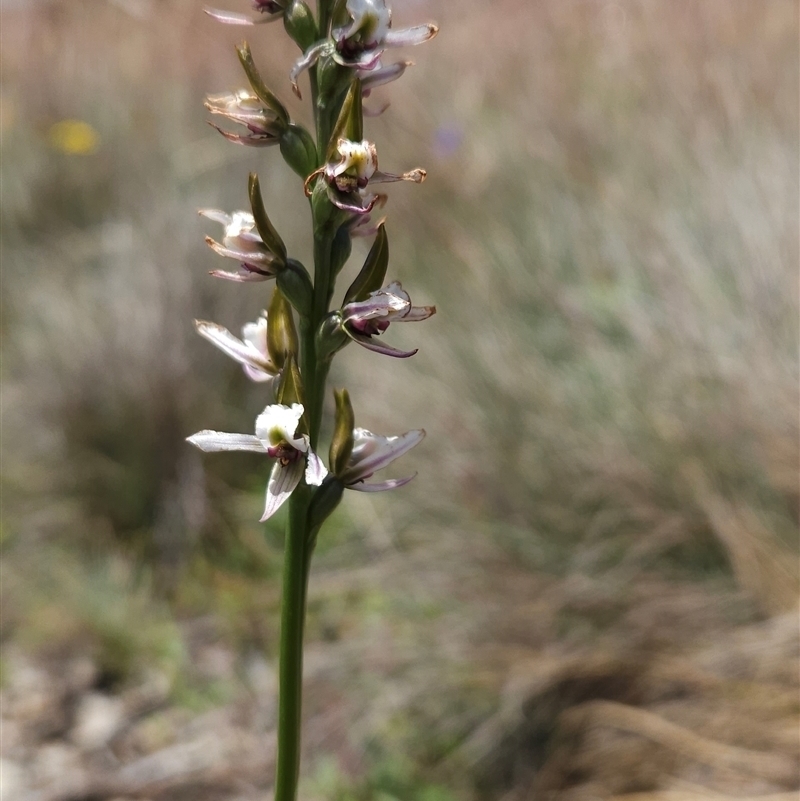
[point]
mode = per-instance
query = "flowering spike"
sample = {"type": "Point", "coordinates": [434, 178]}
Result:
{"type": "Point", "coordinates": [345, 46]}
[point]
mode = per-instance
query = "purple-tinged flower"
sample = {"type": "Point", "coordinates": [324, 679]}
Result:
{"type": "Point", "coordinates": [380, 75]}
{"type": "Point", "coordinates": [244, 108]}
{"type": "Point", "coordinates": [266, 11]}
{"type": "Point", "coordinates": [361, 43]}
{"type": "Point", "coordinates": [362, 224]}
{"type": "Point", "coordinates": [365, 320]}
{"type": "Point", "coordinates": [371, 453]}
{"type": "Point", "coordinates": [276, 435]}
{"type": "Point", "coordinates": [250, 351]}
{"type": "Point", "coordinates": [241, 242]}
{"type": "Point", "coordinates": [349, 176]}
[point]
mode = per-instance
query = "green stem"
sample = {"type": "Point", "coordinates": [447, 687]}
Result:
{"type": "Point", "coordinates": [293, 611]}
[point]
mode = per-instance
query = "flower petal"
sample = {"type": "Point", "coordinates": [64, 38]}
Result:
{"type": "Point", "coordinates": [380, 304]}
{"type": "Point", "coordinates": [315, 469]}
{"type": "Point", "coordinates": [233, 18]}
{"type": "Point", "coordinates": [252, 139]}
{"type": "Point", "coordinates": [416, 313]}
{"type": "Point", "coordinates": [372, 343]}
{"type": "Point", "coordinates": [372, 452]}
{"type": "Point", "coordinates": [309, 58]}
{"type": "Point", "coordinates": [243, 352]}
{"type": "Point", "coordinates": [410, 36]}
{"type": "Point", "coordinates": [282, 481]}
{"type": "Point", "coordinates": [352, 201]}
{"type": "Point", "coordinates": [278, 423]}
{"type": "Point", "coordinates": [245, 276]}
{"type": "Point", "coordinates": [216, 441]}
{"type": "Point", "coordinates": [383, 75]}
{"type": "Point", "coordinates": [381, 486]}
{"type": "Point", "coordinates": [417, 176]}
{"type": "Point", "coordinates": [216, 215]}
{"type": "Point", "coordinates": [367, 60]}
{"type": "Point", "coordinates": [260, 258]}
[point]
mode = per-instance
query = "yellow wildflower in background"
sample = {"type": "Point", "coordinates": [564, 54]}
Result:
{"type": "Point", "coordinates": [74, 137]}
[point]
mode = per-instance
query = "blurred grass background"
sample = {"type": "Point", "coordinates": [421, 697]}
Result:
{"type": "Point", "coordinates": [591, 589]}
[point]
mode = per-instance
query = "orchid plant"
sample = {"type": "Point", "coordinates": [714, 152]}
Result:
{"type": "Point", "coordinates": [289, 349]}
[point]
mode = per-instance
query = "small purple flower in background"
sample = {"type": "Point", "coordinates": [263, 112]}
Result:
{"type": "Point", "coordinates": [241, 242]}
{"type": "Point", "coordinates": [372, 452]}
{"type": "Point", "coordinates": [250, 351]}
{"type": "Point", "coordinates": [447, 139]}
{"type": "Point", "coordinates": [244, 108]}
{"type": "Point", "coordinates": [276, 436]}
{"type": "Point", "coordinates": [365, 320]}
{"type": "Point", "coordinates": [266, 11]}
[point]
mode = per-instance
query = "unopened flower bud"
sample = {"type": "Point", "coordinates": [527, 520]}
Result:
{"type": "Point", "coordinates": [300, 25]}
{"type": "Point", "coordinates": [298, 149]}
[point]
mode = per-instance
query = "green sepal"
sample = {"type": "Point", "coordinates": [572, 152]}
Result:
{"type": "Point", "coordinates": [330, 336]}
{"type": "Point", "coordinates": [323, 211]}
{"type": "Point", "coordinates": [333, 80]}
{"type": "Point", "coordinates": [290, 386]}
{"type": "Point", "coordinates": [323, 503]}
{"type": "Point", "coordinates": [342, 441]}
{"type": "Point", "coordinates": [350, 123]}
{"type": "Point", "coordinates": [373, 272]}
{"type": "Point", "coordinates": [266, 230]}
{"type": "Point", "coordinates": [282, 341]}
{"type": "Point", "coordinates": [340, 249]}
{"type": "Point", "coordinates": [300, 25]}
{"type": "Point", "coordinates": [295, 284]}
{"type": "Point", "coordinates": [340, 15]}
{"type": "Point", "coordinates": [298, 150]}
{"type": "Point", "coordinates": [257, 82]}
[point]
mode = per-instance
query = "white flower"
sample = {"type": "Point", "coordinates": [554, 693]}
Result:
{"type": "Point", "coordinates": [361, 43]}
{"type": "Point", "coordinates": [276, 435]}
{"type": "Point", "coordinates": [364, 320]}
{"type": "Point", "coordinates": [241, 242]}
{"type": "Point", "coordinates": [348, 176]}
{"type": "Point", "coordinates": [371, 453]}
{"type": "Point", "coordinates": [244, 108]}
{"type": "Point", "coordinates": [250, 351]}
